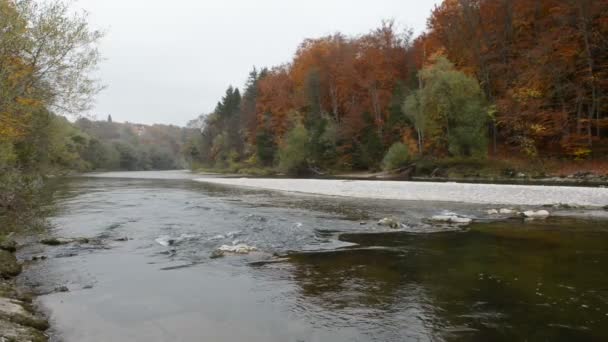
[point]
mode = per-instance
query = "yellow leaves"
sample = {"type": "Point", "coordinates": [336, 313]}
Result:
{"type": "Point", "coordinates": [10, 128]}
{"type": "Point", "coordinates": [581, 153]}
{"type": "Point", "coordinates": [29, 102]}
{"type": "Point", "coordinates": [525, 94]}
{"type": "Point", "coordinates": [537, 129]}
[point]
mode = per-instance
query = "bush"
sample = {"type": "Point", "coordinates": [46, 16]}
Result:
{"type": "Point", "coordinates": [294, 153]}
{"type": "Point", "coordinates": [396, 157]}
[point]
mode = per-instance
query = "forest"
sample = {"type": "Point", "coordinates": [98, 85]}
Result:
{"type": "Point", "coordinates": [494, 80]}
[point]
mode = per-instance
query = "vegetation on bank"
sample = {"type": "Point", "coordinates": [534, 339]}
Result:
{"type": "Point", "coordinates": [515, 80]}
{"type": "Point", "coordinates": [47, 55]}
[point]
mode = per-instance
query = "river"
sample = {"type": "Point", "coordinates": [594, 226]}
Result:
{"type": "Point", "coordinates": [324, 270]}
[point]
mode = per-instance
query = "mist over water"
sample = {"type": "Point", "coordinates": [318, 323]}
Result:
{"type": "Point", "coordinates": [324, 270]}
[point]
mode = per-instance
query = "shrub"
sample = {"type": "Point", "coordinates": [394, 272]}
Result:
{"type": "Point", "coordinates": [294, 152]}
{"type": "Point", "coordinates": [396, 157]}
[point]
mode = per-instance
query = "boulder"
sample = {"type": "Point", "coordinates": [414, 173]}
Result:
{"type": "Point", "coordinates": [492, 212]}
{"type": "Point", "coordinates": [506, 211]}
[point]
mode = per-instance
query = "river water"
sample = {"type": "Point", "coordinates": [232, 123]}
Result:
{"type": "Point", "coordinates": [324, 270]}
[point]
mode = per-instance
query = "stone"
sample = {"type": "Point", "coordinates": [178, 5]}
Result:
{"type": "Point", "coordinates": [389, 222]}
{"type": "Point", "coordinates": [9, 267]}
{"type": "Point", "coordinates": [13, 310]}
{"type": "Point", "coordinates": [62, 289]}
{"type": "Point", "coordinates": [8, 245]}
{"type": "Point", "coordinates": [451, 219]}
{"type": "Point", "coordinates": [536, 214]}
{"type": "Point", "coordinates": [237, 249]}
{"type": "Point", "coordinates": [492, 212]}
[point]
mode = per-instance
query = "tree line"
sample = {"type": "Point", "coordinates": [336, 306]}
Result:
{"type": "Point", "coordinates": [47, 55]}
{"type": "Point", "coordinates": [488, 78]}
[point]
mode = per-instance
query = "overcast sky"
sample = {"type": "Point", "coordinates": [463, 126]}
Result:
{"type": "Point", "coordinates": [169, 61]}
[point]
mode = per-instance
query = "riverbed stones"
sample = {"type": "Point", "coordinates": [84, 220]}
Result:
{"type": "Point", "coordinates": [10, 331]}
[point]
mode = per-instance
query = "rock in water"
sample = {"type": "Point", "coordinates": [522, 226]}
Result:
{"type": "Point", "coordinates": [451, 219]}
{"type": "Point", "coordinates": [237, 249]}
{"type": "Point", "coordinates": [505, 211]}
{"type": "Point", "coordinates": [536, 214]}
{"type": "Point", "coordinates": [389, 222]}
{"type": "Point", "coordinates": [492, 212]}
{"type": "Point", "coordinates": [165, 241]}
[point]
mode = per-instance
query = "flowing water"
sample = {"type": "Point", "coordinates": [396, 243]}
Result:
{"type": "Point", "coordinates": [324, 270]}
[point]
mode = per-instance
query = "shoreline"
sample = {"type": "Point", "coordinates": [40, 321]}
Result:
{"type": "Point", "coordinates": [502, 194]}
{"type": "Point", "coordinates": [20, 319]}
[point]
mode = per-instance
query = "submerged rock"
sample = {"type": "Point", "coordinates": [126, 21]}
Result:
{"type": "Point", "coordinates": [536, 214]}
{"type": "Point", "coordinates": [165, 241]}
{"type": "Point", "coordinates": [62, 289]}
{"type": "Point", "coordinates": [55, 241]}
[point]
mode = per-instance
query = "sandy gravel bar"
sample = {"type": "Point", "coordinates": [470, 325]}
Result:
{"type": "Point", "coordinates": [430, 191]}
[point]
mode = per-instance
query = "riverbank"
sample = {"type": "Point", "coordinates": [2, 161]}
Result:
{"type": "Point", "coordinates": [528, 195]}
{"type": "Point", "coordinates": [483, 171]}
{"type": "Point", "coordinates": [19, 321]}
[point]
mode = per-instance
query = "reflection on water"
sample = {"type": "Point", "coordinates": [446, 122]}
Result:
{"type": "Point", "coordinates": [501, 281]}
{"type": "Point", "coordinates": [342, 278]}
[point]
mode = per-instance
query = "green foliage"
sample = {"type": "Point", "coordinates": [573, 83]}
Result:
{"type": "Point", "coordinates": [450, 110]}
{"type": "Point", "coordinates": [266, 148]}
{"type": "Point", "coordinates": [369, 151]}
{"type": "Point", "coordinates": [294, 153]}
{"type": "Point", "coordinates": [396, 157]}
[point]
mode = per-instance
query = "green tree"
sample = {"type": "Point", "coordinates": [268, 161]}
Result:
{"type": "Point", "coordinates": [450, 109]}
{"type": "Point", "coordinates": [396, 157]}
{"type": "Point", "coordinates": [295, 150]}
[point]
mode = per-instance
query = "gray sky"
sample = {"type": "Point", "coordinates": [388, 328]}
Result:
{"type": "Point", "coordinates": [169, 61]}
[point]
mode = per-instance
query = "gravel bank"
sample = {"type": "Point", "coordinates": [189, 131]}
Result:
{"type": "Point", "coordinates": [429, 191]}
